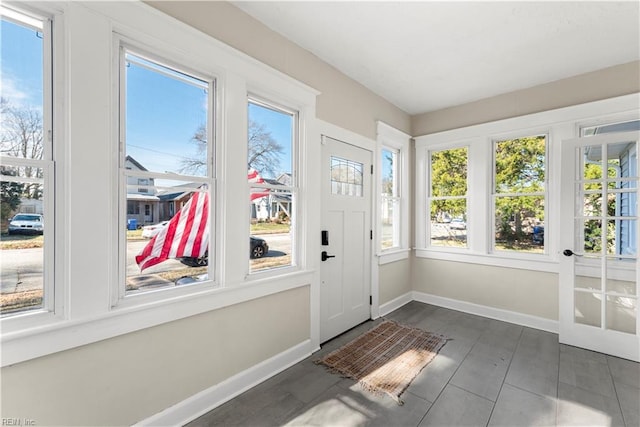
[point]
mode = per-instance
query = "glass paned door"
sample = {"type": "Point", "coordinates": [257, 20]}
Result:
{"type": "Point", "coordinates": [599, 262]}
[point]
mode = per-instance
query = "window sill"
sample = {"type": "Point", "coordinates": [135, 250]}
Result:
{"type": "Point", "coordinates": [393, 255]}
{"type": "Point", "coordinates": [60, 335]}
{"type": "Point", "coordinates": [544, 263]}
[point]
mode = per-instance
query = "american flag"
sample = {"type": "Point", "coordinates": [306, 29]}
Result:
{"type": "Point", "coordinates": [255, 178]}
{"type": "Point", "coordinates": [187, 233]}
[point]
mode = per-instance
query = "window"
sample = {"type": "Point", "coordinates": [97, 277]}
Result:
{"type": "Point", "coordinates": [390, 207]}
{"type": "Point", "coordinates": [166, 159]}
{"type": "Point", "coordinates": [519, 194]}
{"type": "Point", "coordinates": [393, 181]}
{"type": "Point", "coordinates": [26, 172]}
{"type": "Point", "coordinates": [271, 166]}
{"type": "Point", "coordinates": [447, 201]}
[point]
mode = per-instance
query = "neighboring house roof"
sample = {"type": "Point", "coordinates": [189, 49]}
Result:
{"type": "Point", "coordinates": [176, 195]}
{"type": "Point", "coordinates": [135, 163]}
{"type": "Point", "coordinates": [137, 196]}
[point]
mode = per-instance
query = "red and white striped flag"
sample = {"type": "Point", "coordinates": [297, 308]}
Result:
{"type": "Point", "coordinates": [186, 234]}
{"type": "Point", "coordinates": [255, 178]}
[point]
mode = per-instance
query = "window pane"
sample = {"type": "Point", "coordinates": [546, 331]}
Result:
{"type": "Point", "coordinates": [22, 256]}
{"type": "Point", "coordinates": [22, 66]}
{"type": "Point", "coordinates": [390, 235]}
{"type": "Point", "coordinates": [519, 223]}
{"type": "Point", "coordinates": [449, 172]}
{"type": "Point", "coordinates": [270, 243]}
{"type": "Point", "coordinates": [346, 177]}
{"type": "Point", "coordinates": [520, 165]}
{"type": "Point", "coordinates": [170, 250]}
{"type": "Point", "coordinates": [166, 119]}
{"type": "Point", "coordinates": [270, 148]}
{"type": "Point", "coordinates": [22, 186]}
{"type": "Point", "coordinates": [389, 173]}
{"type": "Point", "coordinates": [167, 219]}
{"type": "Point", "coordinates": [448, 222]}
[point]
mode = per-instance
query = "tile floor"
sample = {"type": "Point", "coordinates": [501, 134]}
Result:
{"type": "Point", "coordinates": [491, 373]}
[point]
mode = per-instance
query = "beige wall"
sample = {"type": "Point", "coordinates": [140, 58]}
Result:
{"type": "Point", "coordinates": [606, 83]}
{"type": "Point", "coordinates": [342, 102]}
{"type": "Point", "coordinates": [125, 379]}
{"type": "Point", "coordinates": [529, 292]}
{"type": "Point", "coordinates": [395, 280]}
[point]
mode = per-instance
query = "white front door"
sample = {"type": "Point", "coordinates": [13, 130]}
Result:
{"type": "Point", "coordinates": [345, 271]}
{"type": "Point", "coordinates": [599, 244]}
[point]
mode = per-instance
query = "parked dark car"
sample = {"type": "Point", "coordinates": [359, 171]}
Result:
{"type": "Point", "coordinates": [257, 249]}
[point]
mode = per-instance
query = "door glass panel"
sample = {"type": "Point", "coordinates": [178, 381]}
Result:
{"type": "Point", "coordinates": [627, 287]}
{"type": "Point", "coordinates": [591, 204]}
{"type": "Point", "coordinates": [588, 308]}
{"type": "Point", "coordinates": [592, 236]}
{"type": "Point", "coordinates": [621, 314]}
{"type": "Point", "coordinates": [588, 282]}
{"type": "Point", "coordinates": [346, 177]}
{"type": "Point", "coordinates": [591, 156]}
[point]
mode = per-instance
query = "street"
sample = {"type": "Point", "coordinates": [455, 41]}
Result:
{"type": "Point", "coordinates": [21, 269]}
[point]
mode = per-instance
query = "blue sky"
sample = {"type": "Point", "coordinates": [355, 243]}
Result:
{"type": "Point", "coordinates": [163, 111]}
{"type": "Point", "coordinates": [21, 65]}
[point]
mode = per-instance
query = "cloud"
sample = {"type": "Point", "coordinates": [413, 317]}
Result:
{"type": "Point", "coordinates": [9, 89]}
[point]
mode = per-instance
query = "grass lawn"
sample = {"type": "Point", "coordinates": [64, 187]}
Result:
{"type": "Point", "coordinates": [20, 241]}
{"type": "Point", "coordinates": [269, 228]}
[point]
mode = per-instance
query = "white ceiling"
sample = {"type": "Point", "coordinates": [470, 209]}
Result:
{"type": "Point", "coordinates": [424, 56]}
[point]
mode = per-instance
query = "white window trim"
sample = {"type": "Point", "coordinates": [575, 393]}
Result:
{"type": "Point", "coordinates": [120, 298]}
{"type": "Point", "coordinates": [54, 273]}
{"type": "Point", "coordinates": [293, 189]}
{"type": "Point", "coordinates": [559, 124]}
{"type": "Point", "coordinates": [85, 314]}
{"type": "Point", "coordinates": [395, 140]}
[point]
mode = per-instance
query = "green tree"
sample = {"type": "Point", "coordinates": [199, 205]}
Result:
{"type": "Point", "coordinates": [519, 173]}
{"type": "Point", "coordinates": [10, 194]}
{"type": "Point", "coordinates": [449, 179]}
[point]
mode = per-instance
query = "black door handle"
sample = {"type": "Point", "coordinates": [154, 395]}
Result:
{"type": "Point", "coordinates": [325, 256]}
{"type": "Point", "coordinates": [569, 252]}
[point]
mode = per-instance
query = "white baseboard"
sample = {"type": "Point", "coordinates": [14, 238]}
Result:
{"type": "Point", "coordinates": [206, 400]}
{"type": "Point", "coordinates": [395, 303]}
{"type": "Point", "coordinates": [490, 312]}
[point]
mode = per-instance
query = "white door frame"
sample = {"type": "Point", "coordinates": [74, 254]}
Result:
{"type": "Point", "coordinates": [598, 339]}
{"type": "Point", "coordinates": [336, 132]}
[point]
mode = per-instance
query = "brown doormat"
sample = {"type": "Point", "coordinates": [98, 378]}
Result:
{"type": "Point", "coordinates": [387, 358]}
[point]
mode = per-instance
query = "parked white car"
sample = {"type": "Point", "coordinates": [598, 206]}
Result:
{"type": "Point", "coordinates": [148, 231]}
{"type": "Point", "coordinates": [26, 224]}
{"type": "Point", "coordinates": [457, 224]}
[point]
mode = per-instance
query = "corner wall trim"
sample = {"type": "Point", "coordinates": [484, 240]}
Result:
{"type": "Point", "coordinates": [490, 312]}
{"type": "Point", "coordinates": [396, 303]}
{"type": "Point", "coordinates": [206, 400]}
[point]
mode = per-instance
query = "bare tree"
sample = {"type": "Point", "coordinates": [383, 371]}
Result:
{"type": "Point", "coordinates": [22, 136]}
{"type": "Point", "coordinates": [263, 155]}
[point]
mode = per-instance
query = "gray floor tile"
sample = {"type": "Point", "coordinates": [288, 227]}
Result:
{"type": "Point", "coordinates": [629, 398]}
{"type": "Point", "coordinates": [534, 374]}
{"type": "Point", "coordinates": [457, 407]}
{"type": "Point", "coordinates": [585, 369]}
{"type": "Point", "coordinates": [434, 377]}
{"type": "Point", "coordinates": [491, 371]}
{"type": "Point", "coordinates": [540, 344]}
{"type": "Point", "coordinates": [336, 406]}
{"type": "Point", "coordinates": [624, 371]}
{"type": "Point", "coordinates": [578, 407]}
{"type": "Point", "coordinates": [516, 407]}
{"type": "Point", "coordinates": [501, 334]}
{"type": "Point", "coordinates": [483, 370]}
